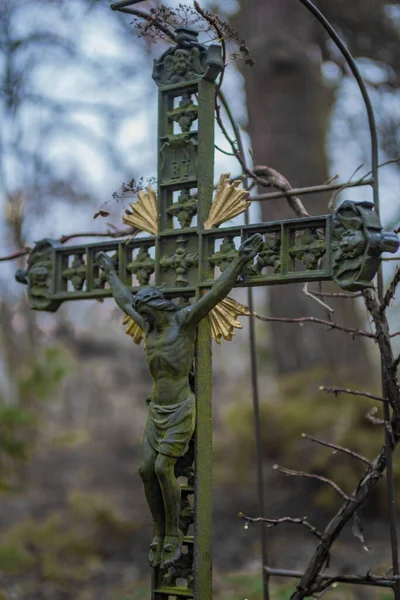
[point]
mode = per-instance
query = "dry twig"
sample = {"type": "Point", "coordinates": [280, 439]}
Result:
{"type": "Point", "coordinates": [313, 296]}
{"type": "Point", "coordinates": [391, 290]}
{"type": "Point", "coordinates": [392, 388]}
{"type": "Point", "coordinates": [328, 324]}
{"type": "Point", "coordinates": [16, 254]}
{"type": "Point", "coordinates": [275, 522]}
{"type": "Point", "coordinates": [337, 295]}
{"type": "Point", "coordinates": [65, 238]}
{"type": "Point", "coordinates": [337, 391]}
{"type": "Point", "coordinates": [269, 177]}
{"type": "Point", "coordinates": [337, 489]}
{"type": "Point", "coordinates": [337, 448]}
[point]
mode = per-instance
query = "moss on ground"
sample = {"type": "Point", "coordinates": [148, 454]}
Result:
{"type": "Point", "coordinates": [298, 408]}
{"type": "Point", "coordinates": [66, 551]}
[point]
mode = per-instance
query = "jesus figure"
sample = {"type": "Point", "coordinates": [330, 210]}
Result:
{"type": "Point", "coordinates": [170, 335]}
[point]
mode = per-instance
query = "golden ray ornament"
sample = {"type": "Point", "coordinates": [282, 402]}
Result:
{"type": "Point", "coordinates": [229, 202]}
{"type": "Point", "coordinates": [223, 320]}
{"type": "Point", "coordinates": [144, 211]}
{"type": "Point", "coordinates": [133, 329]}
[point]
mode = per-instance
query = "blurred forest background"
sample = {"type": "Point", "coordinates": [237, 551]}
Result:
{"type": "Point", "coordinates": [78, 117]}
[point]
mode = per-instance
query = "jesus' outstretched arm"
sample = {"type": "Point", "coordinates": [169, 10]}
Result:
{"type": "Point", "coordinates": [224, 283]}
{"type": "Point", "coordinates": [122, 294]}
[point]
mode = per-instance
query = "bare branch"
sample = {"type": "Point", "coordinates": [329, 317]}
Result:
{"type": "Point", "coordinates": [370, 416]}
{"type": "Point", "coordinates": [234, 144]}
{"type": "Point", "coordinates": [391, 290]}
{"type": "Point", "coordinates": [337, 294]}
{"type": "Point", "coordinates": [337, 448]}
{"type": "Point", "coordinates": [336, 525]}
{"type": "Point", "coordinates": [275, 522]}
{"type": "Point", "coordinates": [337, 391]}
{"type": "Point", "coordinates": [220, 36]}
{"type": "Point", "coordinates": [16, 254]}
{"type": "Point", "coordinates": [66, 238]}
{"type": "Point", "coordinates": [337, 489]}
{"type": "Point", "coordinates": [328, 324]}
{"type": "Point", "coordinates": [151, 20]}
{"type": "Point", "coordinates": [312, 295]}
{"type": "Point", "coordinates": [223, 151]}
{"type": "Point", "coordinates": [112, 234]}
{"type": "Point", "coordinates": [368, 579]}
{"type": "Point", "coordinates": [313, 189]}
{"type": "Point", "coordinates": [269, 177]}
{"type": "Point", "coordinates": [392, 387]}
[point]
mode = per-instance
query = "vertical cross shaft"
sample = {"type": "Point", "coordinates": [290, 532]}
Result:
{"type": "Point", "coordinates": [185, 76]}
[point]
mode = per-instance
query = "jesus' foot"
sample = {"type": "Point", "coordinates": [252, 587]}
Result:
{"type": "Point", "coordinates": [171, 550]}
{"type": "Point", "coordinates": [155, 551]}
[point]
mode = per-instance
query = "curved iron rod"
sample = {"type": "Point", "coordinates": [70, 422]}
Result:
{"type": "Point", "coordinates": [363, 89]}
{"type": "Point", "coordinates": [123, 4]}
{"type": "Point", "coordinates": [374, 167]}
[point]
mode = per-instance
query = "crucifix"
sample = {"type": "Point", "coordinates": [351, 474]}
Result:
{"type": "Point", "coordinates": [173, 287]}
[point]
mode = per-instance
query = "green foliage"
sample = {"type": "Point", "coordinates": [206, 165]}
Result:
{"type": "Point", "coordinates": [37, 379]}
{"type": "Point", "coordinates": [68, 547]}
{"type": "Point", "coordinates": [106, 527]}
{"type": "Point", "coordinates": [40, 377]}
{"type": "Point", "coordinates": [14, 421]}
{"type": "Point", "coordinates": [53, 550]}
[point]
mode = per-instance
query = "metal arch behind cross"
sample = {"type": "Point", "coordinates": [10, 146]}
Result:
{"type": "Point", "coordinates": [124, 4]}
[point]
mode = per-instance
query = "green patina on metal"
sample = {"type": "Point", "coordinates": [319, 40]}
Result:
{"type": "Point", "coordinates": [345, 247]}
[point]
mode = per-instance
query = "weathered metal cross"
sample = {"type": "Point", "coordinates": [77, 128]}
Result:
{"type": "Point", "coordinates": [345, 247]}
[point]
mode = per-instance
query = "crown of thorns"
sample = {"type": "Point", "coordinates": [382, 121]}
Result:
{"type": "Point", "coordinates": [146, 295]}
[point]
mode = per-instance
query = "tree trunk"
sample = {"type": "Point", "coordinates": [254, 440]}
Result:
{"type": "Point", "coordinates": [288, 109]}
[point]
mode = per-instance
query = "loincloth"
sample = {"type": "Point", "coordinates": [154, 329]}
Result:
{"type": "Point", "coordinates": [169, 429]}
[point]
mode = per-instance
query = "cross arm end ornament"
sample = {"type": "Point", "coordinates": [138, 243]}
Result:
{"type": "Point", "coordinates": [357, 245]}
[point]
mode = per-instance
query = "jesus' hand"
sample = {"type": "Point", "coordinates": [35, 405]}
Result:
{"type": "Point", "coordinates": [104, 262]}
{"type": "Point", "coordinates": [251, 247]}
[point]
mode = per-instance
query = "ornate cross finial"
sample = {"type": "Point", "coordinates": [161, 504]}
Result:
{"type": "Point", "coordinates": [188, 60]}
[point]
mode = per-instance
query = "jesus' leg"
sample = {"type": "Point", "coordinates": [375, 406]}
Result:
{"type": "Point", "coordinates": [154, 500]}
{"type": "Point", "coordinates": [171, 492]}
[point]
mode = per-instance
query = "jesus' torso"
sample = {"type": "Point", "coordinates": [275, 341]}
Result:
{"type": "Point", "coordinates": [170, 353]}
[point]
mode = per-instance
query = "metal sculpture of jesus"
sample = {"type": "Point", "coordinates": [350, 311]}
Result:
{"type": "Point", "coordinates": [170, 335]}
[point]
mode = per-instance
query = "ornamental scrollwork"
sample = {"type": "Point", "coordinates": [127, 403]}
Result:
{"type": "Point", "coordinates": [358, 242]}
{"type": "Point", "coordinates": [38, 276]}
{"type": "Point", "coordinates": [188, 60]}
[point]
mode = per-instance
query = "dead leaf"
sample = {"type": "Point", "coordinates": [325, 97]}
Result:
{"type": "Point", "coordinates": [101, 213]}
